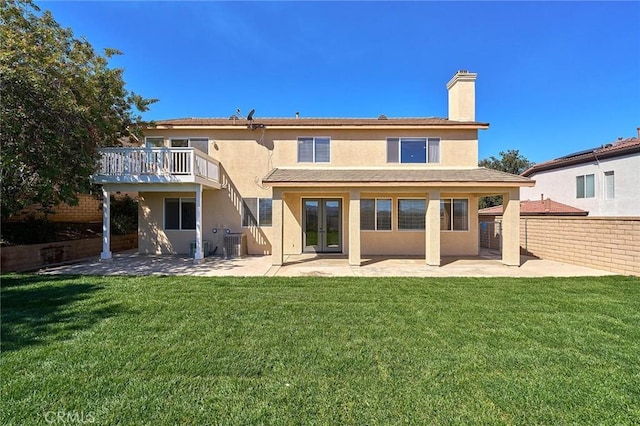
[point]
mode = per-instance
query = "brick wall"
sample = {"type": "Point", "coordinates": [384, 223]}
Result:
{"type": "Point", "coordinates": [88, 210]}
{"type": "Point", "coordinates": [607, 243]}
{"type": "Point", "coordinates": [34, 256]}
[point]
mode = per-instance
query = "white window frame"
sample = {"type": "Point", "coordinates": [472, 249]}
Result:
{"type": "Point", "coordinates": [375, 214]}
{"type": "Point", "coordinates": [147, 138]}
{"type": "Point", "coordinates": [426, 142]}
{"type": "Point", "coordinates": [189, 143]}
{"type": "Point", "coordinates": [257, 218]}
{"type": "Point", "coordinates": [164, 213]}
{"type": "Point", "coordinates": [452, 199]}
{"type": "Point", "coordinates": [584, 187]}
{"type": "Point", "coordinates": [313, 150]}
{"type": "Point", "coordinates": [605, 189]}
{"type": "Point", "coordinates": [426, 205]}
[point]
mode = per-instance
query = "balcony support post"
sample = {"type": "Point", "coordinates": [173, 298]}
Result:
{"type": "Point", "coordinates": [199, 255]}
{"type": "Point", "coordinates": [106, 226]}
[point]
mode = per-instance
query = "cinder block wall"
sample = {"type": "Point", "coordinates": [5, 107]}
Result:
{"type": "Point", "coordinates": [607, 243]}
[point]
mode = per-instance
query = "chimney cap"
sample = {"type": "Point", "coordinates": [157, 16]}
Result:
{"type": "Point", "coordinates": [462, 75]}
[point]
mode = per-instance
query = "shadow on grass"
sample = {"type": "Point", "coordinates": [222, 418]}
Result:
{"type": "Point", "coordinates": [43, 309]}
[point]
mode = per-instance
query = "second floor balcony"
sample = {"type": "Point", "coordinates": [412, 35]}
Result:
{"type": "Point", "coordinates": [139, 165]}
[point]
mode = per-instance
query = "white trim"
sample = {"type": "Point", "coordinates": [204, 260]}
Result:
{"type": "Point", "coordinates": [258, 224]}
{"type": "Point", "coordinates": [146, 143]}
{"type": "Point", "coordinates": [398, 213]}
{"type": "Point", "coordinates": [375, 214]}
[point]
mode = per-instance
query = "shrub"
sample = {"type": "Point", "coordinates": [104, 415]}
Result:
{"type": "Point", "coordinates": [124, 215]}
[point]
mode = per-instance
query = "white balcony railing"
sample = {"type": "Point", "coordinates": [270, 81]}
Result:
{"type": "Point", "coordinates": [156, 165]}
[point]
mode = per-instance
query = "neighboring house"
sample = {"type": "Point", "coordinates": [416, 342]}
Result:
{"type": "Point", "coordinates": [546, 207]}
{"type": "Point", "coordinates": [603, 180]}
{"type": "Point", "coordinates": [357, 186]}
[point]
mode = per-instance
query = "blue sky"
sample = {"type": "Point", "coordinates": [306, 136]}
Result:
{"type": "Point", "coordinates": [553, 77]}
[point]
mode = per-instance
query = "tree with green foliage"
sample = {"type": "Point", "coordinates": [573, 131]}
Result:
{"type": "Point", "coordinates": [60, 102]}
{"type": "Point", "coordinates": [510, 161]}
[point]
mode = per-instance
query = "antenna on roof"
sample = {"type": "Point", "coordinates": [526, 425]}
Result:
{"type": "Point", "coordinates": [252, 126]}
{"type": "Point", "coordinates": [250, 116]}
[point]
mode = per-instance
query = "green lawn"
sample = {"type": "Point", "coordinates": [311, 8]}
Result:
{"type": "Point", "coordinates": [176, 350]}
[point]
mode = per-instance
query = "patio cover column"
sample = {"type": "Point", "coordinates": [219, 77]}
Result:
{"type": "Point", "coordinates": [106, 225]}
{"type": "Point", "coordinates": [198, 255]}
{"type": "Point", "coordinates": [511, 227]}
{"type": "Point", "coordinates": [354, 228]}
{"type": "Point", "coordinates": [432, 229]}
{"type": "Point", "coordinates": [277, 227]}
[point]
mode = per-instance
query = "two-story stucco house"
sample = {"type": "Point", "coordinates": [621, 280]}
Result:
{"type": "Point", "coordinates": [605, 180]}
{"type": "Point", "coordinates": [356, 186]}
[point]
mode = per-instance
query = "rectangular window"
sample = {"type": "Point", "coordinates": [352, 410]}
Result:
{"type": "Point", "coordinates": [201, 144]}
{"type": "Point", "coordinates": [256, 212]}
{"type": "Point", "coordinates": [585, 186]}
{"type": "Point", "coordinates": [413, 150]}
{"type": "Point", "coordinates": [411, 214]}
{"type": "Point", "coordinates": [154, 142]}
{"type": "Point", "coordinates": [454, 214]}
{"type": "Point", "coordinates": [314, 150]}
{"type": "Point", "coordinates": [375, 214]}
{"type": "Point", "coordinates": [609, 186]}
{"type": "Point", "coordinates": [179, 213]}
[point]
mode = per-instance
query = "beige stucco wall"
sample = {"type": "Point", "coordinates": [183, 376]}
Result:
{"type": "Point", "coordinates": [247, 156]}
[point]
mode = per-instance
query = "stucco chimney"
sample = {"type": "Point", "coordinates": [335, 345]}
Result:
{"type": "Point", "coordinates": [462, 96]}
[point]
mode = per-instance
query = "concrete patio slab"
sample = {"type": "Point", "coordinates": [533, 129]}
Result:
{"type": "Point", "coordinates": [321, 266]}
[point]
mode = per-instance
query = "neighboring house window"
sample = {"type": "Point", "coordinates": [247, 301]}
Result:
{"type": "Point", "coordinates": [154, 142]}
{"type": "Point", "coordinates": [413, 150]}
{"type": "Point", "coordinates": [375, 214]}
{"type": "Point", "coordinates": [454, 214]}
{"type": "Point", "coordinates": [201, 144]}
{"type": "Point", "coordinates": [585, 186]}
{"type": "Point", "coordinates": [411, 214]}
{"type": "Point", "coordinates": [179, 213]}
{"type": "Point", "coordinates": [314, 150]}
{"type": "Point", "coordinates": [256, 212]}
{"type": "Point", "coordinates": [609, 186]}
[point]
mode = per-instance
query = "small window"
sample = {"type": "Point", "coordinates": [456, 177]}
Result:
{"type": "Point", "coordinates": [179, 213]}
{"type": "Point", "coordinates": [454, 214]}
{"type": "Point", "coordinates": [256, 212]}
{"type": "Point", "coordinates": [154, 142]}
{"type": "Point", "coordinates": [585, 186]}
{"type": "Point", "coordinates": [411, 214]}
{"type": "Point", "coordinates": [609, 186]}
{"type": "Point", "coordinates": [201, 144]}
{"type": "Point", "coordinates": [314, 150]}
{"type": "Point", "coordinates": [375, 214]}
{"type": "Point", "coordinates": [413, 150]}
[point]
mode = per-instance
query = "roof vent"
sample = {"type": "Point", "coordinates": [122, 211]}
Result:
{"type": "Point", "coordinates": [382, 117]}
{"type": "Point", "coordinates": [233, 117]}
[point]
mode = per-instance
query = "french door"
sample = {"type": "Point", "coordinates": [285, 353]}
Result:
{"type": "Point", "coordinates": [322, 225]}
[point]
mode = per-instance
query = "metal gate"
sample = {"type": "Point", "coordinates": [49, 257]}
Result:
{"type": "Point", "coordinates": [491, 236]}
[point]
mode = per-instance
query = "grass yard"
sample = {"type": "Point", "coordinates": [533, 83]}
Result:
{"type": "Point", "coordinates": [187, 350]}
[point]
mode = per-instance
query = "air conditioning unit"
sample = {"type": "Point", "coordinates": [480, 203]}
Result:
{"type": "Point", "coordinates": [235, 245]}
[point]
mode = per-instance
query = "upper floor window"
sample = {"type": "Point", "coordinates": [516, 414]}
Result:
{"type": "Point", "coordinates": [585, 186]}
{"type": "Point", "coordinates": [257, 211]}
{"type": "Point", "coordinates": [154, 142]}
{"type": "Point", "coordinates": [179, 213]}
{"type": "Point", "coordinates": [375, 214]}
{"type": "Point", "coordinates": [454, 214]}
{"type": "Point", "coordinates": [609, 186]}
{"type": "Point", "coordinates": [201, 144]}
{"type": "Point", "coordinates": [314, 150]}
{"type": "Point", "coordinates": [413, 150]}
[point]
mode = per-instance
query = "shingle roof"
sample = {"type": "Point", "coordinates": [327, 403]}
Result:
{"type": "Point", "coordinates": [399, 176]}
{"type": "Point", "coordinates": [538, 207]}
{"type": "Point", "coordinates": [319, 122]}
{"type": "Point", "coordinates": [614, 149]}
